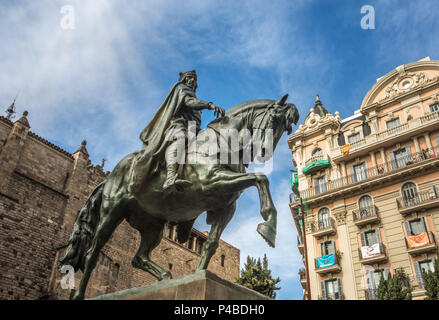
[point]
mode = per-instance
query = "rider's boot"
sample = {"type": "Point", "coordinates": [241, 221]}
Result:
{"type": "Point", "coordinates": [172, 183]}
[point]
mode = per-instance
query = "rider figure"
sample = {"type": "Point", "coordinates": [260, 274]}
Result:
{"type": "Point", "coordinates": [171, 122]}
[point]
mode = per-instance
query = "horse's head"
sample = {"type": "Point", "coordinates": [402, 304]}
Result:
{"type": "Point", "coordinates": [277, 118]}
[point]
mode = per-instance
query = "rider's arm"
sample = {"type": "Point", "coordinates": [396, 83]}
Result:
{"type": "Point", "coordinates": [197, 104]}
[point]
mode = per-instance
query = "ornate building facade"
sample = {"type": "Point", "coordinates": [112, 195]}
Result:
{"type": "Point", "coordinates": [369, 186]}
{"type": "Point", "coordinates": [42, 187]}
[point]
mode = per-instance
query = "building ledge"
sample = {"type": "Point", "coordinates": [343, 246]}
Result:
{"type": "Point", "coordinates": [376, 259]}
{"type": "Point", "coordinates": [332, 269]}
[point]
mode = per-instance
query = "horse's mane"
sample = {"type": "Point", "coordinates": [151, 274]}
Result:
{"type": "Point", "coordinates": [242, 107]}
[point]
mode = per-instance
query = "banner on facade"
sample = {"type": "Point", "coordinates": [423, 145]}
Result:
{"type": "Point", "coordinates": [326, 261]}
{"type": "Point", "coordinates": [418, 240]}
{"type": "Point", "coordinates": [370, 251]}
{"type": "Point", "coordinates": [345, 149]}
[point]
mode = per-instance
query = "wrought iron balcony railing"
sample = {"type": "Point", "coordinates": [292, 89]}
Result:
{"type": "Point", "coordinates": [322, 224]}
{"type": "Point", "coordinates": [418, 198]}
{"type": "Point", "coordinates": [371, 294]}
{"type": "Point", "coordinates": [332, 296]}
{"type": "Point", "coordinates": [372, 172]}
{"type": "Point", "coordinates": [365, 213]}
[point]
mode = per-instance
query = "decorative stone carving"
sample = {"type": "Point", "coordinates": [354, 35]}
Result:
{"type": "Point", "coordinates": [413, 80]}
{"type": "Point", "coordinates": [340, 217]}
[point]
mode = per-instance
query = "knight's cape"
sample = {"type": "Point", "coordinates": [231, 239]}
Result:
{"type": "Point", "coordinates": [154, 134]}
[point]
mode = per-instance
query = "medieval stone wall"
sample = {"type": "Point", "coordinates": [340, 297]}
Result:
{"type": "Point", "coordinates": [42, 187]}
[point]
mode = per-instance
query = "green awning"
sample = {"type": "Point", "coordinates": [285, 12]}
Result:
{"type": "Point", "coordinates": [295, 183]}
{"type": "Point", "coordinates": [316, 166]}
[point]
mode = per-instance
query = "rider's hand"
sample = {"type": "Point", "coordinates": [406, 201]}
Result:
{"type": "Point", "coordinates": [218, 112]}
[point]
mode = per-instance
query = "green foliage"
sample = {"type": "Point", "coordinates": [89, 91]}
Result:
{"type": "Point", "coordinates": [396, 287]}
{"type": "Point", "coordinates": [256, 276]}
{"type": "Point", "coordinates": [431, 281]}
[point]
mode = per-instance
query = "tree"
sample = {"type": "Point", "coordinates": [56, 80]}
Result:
{"type": "Point", "coordinates": [256, 276]}
{"type": "Point", "coordinates": [431, 281]}
{"type": "Point", "coordinates": [396, 287]}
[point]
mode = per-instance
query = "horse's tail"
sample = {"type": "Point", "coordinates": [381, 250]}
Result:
{"type": "Point", "coordinates": [83, 231]}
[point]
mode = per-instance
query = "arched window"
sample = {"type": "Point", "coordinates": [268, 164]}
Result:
{"type": "Point", "coordinates": [410, 194]}
{"type": "Point", "coordinates": [365, 202]}
{"type": "Point", "coordinates": [366, 206]}
{"type": "Point", "coordinates": [324, 217]}
{"type": "Point", "coordinates": [317, 152]}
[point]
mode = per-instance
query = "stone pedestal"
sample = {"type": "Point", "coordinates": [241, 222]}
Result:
{"type": "Point", "coordinates": [202, 285]}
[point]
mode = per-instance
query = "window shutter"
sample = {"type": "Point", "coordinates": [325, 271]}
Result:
{"type": "Point", "coordinates": [370, 280]}
{"type": "Point", "coordinates": [323, 284]}
{"type": "Point", "coordinates": [353, 176]}
{"type": "Point", "coordinates": [392, 161]}
{"type": "Point", "coordinates": [407, 228]}
{"type": "Point", "coordinates": [332, 247]}
{"type": "Point", "coordinates": [408, 153]}
{"type": "Point", "coordinates": [322, 249]}
{"type": "Point", "coordinates": [340, 291]}
{"type": "Point", "coordinates": [378, 235]}
{"type": "Point", "coordinates": [434, 263]}
{"type": "Point", "coordinates": [365, 170]}
{"type": "Point", "coordinates": [418, 274]}
{"type": "Point", "coordinates": [424, 225]}
{"type": "Point", "coordinates": [386, 273]}
{"type": "Point", "coordinates": [363, 239]}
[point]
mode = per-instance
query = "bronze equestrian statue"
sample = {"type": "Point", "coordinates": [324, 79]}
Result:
{"type": "Point", "coordinates": [161, 184]}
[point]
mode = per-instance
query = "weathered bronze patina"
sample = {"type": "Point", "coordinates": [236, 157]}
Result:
{"type": "Point", "coordinates": [149, 191]}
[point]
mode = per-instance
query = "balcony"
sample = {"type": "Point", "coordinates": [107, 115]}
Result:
{"type": "Point", "coordinates": [300, 245]}
{"type": "Point", "coordinates": [327, 264]}
{"type": "Point", "coordinates": [421, 201]}
{"type": "Point", "coordinates": [323, 227]}
{"type": "Point", "coordinates": [420, 243]}
{"type": "Point", "coordinates": [316, 163]}
{"type": "Point", "coordinates": [372, 254]}
{"type": "Point", "coordinates": [370, 294]}
{"type": "Point", "coordinates": [332, 296]}
{"type": "Point", "coordinates": [366, 215]}
{"type": "Point", "coordinates": [302, 274]}
{"type": "Point", "coordinates": [388, 137]}
{"type": "Point", "coordinates": [383, 173]}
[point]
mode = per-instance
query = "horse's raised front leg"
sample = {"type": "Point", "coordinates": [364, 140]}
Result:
{"type": "Point", "coordinates": [228, 182]}
{"type": "Point", "coordinates": [219, 220]}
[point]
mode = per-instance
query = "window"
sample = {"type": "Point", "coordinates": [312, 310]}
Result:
{"type": "Point", "coordinates": [370, 238]}
{"type": "Point", "coordinates": [170, 228]}
{"type": "Point", "coordinates": [434, 107]}
{"type": "Point", "coordinates": [358, 172]}
{"type": "Point", "coordinates": [320, 185]}
{"type": "Point", "coordinates": [373, 280]}
{"type": "Point", "coordinates": [331, 289]}
{"type": "Point", "coordinates": [400, 158]}
{"type": "Point", "coordinates": [410, 194]}
{"type": "Point", "coordinates": [426, 266]}
{"type": "Point", "coordinates": [416, 226]}
{"type": "Point", "coordinates": [324, 218]}
{"type": "Point", "coordinates": [199, 246]}
{"type": "Point", "coordinates": [317, 152]}
{"type": "Point", "coordinates": [327, 247]}
{"type": "Point", "coordinates": [365, 202]}
{"type": "Point", "coordinates": [170, 266]}
{"type": "Point", "coordinates": [354, 138]}
{"type": "Point", "coordinates": [223, 258]}
{"type": "Point", "coordinates": [392, 123]}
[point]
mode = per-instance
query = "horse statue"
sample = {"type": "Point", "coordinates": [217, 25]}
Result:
{"type": "Point", "coordinates": [215, 188]}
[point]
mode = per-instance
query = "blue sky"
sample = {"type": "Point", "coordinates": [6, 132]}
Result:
{"type": "Point", "coordinates": [103, 80]}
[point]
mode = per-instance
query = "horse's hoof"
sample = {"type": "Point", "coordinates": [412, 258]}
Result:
{"type": "Point", "coordinates": [268, 233]}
